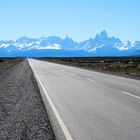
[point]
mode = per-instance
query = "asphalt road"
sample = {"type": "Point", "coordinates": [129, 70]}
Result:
{"type": "Point", "coordinates": [92, 105]}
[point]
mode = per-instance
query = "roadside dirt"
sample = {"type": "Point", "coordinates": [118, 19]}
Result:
{"type": "Point", "coordinates": [22, 112]}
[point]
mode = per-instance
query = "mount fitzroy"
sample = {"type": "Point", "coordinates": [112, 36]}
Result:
{"type": "Point", "coordinates": [53, 46]}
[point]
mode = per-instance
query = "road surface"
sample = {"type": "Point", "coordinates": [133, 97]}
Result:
{"type": "Point", "coordinates": [92, 105]}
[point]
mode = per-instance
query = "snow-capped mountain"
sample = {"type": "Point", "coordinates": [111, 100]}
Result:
{"type": "Point", "coordinates": [101, 45]}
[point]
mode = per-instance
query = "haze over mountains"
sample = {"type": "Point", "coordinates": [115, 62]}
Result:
{"type": "Point", "coordinates": [100, 45]}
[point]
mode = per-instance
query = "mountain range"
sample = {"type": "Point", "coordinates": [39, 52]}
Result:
{"type": "Point", "coordinates": [100, 45]}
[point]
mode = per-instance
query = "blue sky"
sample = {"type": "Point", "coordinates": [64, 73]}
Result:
{"type": "Point", "coordinates": [80, 19]}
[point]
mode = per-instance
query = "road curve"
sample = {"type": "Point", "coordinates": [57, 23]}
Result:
{"type": "Point", "coordinates": [92, 105]}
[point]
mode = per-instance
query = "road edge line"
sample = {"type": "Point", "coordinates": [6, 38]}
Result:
{"type": "Point", "coordinates": [59, 119]}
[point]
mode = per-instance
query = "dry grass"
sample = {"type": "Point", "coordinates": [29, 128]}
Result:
{"type": "Point", "coordinates": [127, 66]}
{"type": "Point", "coordinates": [6, 63]}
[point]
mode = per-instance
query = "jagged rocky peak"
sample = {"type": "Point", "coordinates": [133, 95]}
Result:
{"type": "Point", "coordinates": [67, 38]}
{"type": "Point", "coordinates": [103, 35]}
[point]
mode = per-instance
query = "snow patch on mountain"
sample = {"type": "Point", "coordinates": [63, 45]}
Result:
{"type": "Point", "coordinates": [4, 45]}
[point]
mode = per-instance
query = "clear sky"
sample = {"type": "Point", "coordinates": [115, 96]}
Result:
{"type": "Point", "coordinates": [79, 19]}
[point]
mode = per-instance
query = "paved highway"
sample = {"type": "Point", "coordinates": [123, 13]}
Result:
{"type": "Point", "coordinates": [92, 105]}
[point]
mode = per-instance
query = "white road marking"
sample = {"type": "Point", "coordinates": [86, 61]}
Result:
{"type": "Point", "coordinates": [92, 80]}
{"type": "Point", "coordinates": [62, 125]}
{"type": "Point", "coordinates": [135, 96]}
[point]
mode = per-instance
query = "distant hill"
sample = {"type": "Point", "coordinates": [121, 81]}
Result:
{"type": "Point", "coordinates": [100, 45]}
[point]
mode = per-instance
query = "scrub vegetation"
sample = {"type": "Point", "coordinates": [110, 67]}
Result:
{"type": "Point", "coordinates": [125, 66]}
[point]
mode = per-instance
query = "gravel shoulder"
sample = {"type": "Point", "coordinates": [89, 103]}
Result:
{"type": "Point", "coordinates": [22, 112]}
